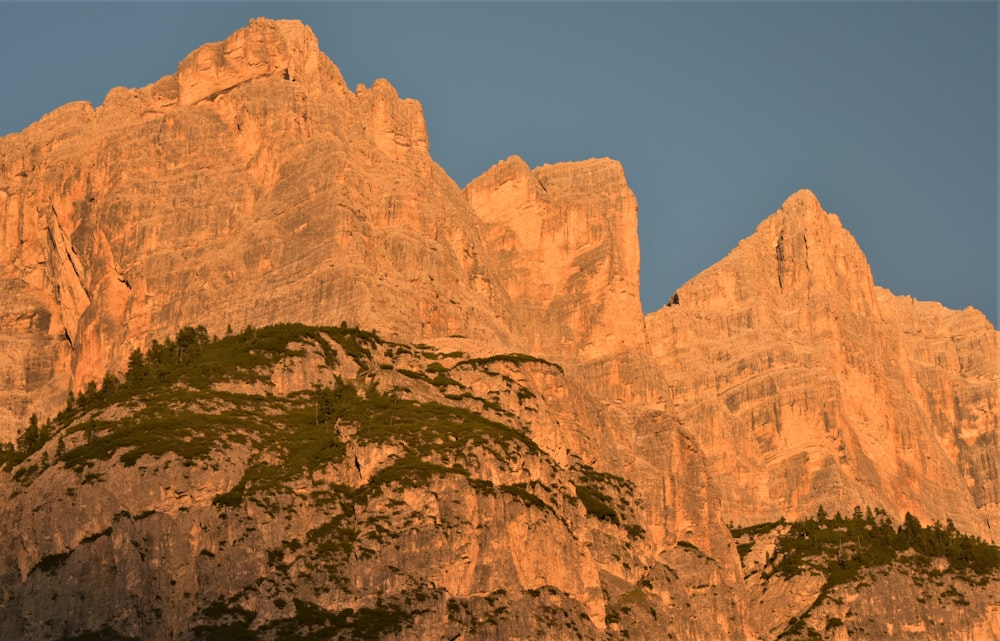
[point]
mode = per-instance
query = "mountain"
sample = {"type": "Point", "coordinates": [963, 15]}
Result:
{"type": "Point", "coordinates": [806, 384]}
{"type": "Point", "coordinates": [292, 478]}
{"type": "Point", "coordinates": [299, 482]}
{"type": "Point", "coordinates": [452, 418]}
{"type": "Point", "coordinates": [250, 187]}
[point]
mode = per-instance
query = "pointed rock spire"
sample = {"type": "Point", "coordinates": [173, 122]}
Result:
{"type": "Point", "coordinates": [800, 256]}
{"type": "Point", "coordinates": [802, 201]}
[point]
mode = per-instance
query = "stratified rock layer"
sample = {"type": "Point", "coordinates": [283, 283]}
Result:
{"type": "Point", "coordinates": [250, 187]}
{"type": "Point", "coordinates": [805, 384]}
{"type": "Point", "coordinates": [253, 187]}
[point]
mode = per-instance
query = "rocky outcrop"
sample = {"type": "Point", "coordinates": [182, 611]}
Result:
{"type": "Point", "coordinates": [806, 385]}
{"type": "Point", "coordinates": [862, 578]}
{"type": "Point", "coordinates": [250, 187]}
{"type": "Point", "coordinates": [291, 478]}
{"type": "Point", "coordinates": [565, 242]}
{"type": "Point", "coordinates": [253, 187]}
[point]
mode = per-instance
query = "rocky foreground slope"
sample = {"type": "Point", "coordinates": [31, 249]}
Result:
{"type": "Point", "coordinates": [297, 482]}
{"type": "Point", "coordinates": [294, 481]}
{"type": "Point", "coordinates": [254, 187]}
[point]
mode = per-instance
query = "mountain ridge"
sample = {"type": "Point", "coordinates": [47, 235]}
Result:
{"type": "Point", "coordinates": [335, 211]}
{"type": "Point", "coordinates": [790, 346]}
{"type": "Point", "coordinates": [253, 188]}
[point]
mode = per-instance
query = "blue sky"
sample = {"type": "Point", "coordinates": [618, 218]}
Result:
{"type": "Point", "coordinates": [717, 110]}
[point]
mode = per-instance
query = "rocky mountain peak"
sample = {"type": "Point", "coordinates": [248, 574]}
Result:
{"type": "Point", "coordinates": [816, 259]}
{"type": "Point", "coordinates": [795, 366]}
{"type": "Point", "coordinates": [256, 149]}
{"type": "Point", "coordinates": [513, 417]}
{"type": "Point", "coordinates": [803, 202]}
{"type": "Point", "coordinates": [397, 125]}
{"type": "Point", "coordinates": [284, 48]}
{"type": "Point", "coordinates": [507, 179]}
{"type": "Point", "coordinates": [565, 239]}
{"type": "Point", "coordinates": [799, 257]}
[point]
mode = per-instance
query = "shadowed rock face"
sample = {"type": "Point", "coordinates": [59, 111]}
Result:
{"type": "Point", "coordinates": [805, 384]}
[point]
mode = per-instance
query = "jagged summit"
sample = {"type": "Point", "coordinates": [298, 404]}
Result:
{"type": "Point", "coordinates": [800, 256]}
{"type": "Point", "coordinates": [253, 189]}
{"type": "Point", "coordinates": [251, 186]}
{"type": "Point", "coordinates": [283, 48]}
{"type": "Point", "coordinates": [802, 213]}
{"type": "Point", "coordinates": [800, 373]}
{"type": "Point", "coordinates": [803, 200]}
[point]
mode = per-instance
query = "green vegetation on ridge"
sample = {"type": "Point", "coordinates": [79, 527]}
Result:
{"type": "Point", "coordinates": [842, 549]}
{"type": "Point", "coordinates": [170, 400]}
{"type": "Point", "coordinates": [174, 405]}
{"type": "Point", "coordinates": [207, 403]}
{"type": "Point", "coordinates": [169, 392]}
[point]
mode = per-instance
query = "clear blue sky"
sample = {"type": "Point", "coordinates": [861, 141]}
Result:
{"type": "Point", "coordinates": [717, 110]}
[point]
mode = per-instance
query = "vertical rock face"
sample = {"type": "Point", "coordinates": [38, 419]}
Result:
{"type": "Point", "coordinates": [250, 187]}
{"type": "Point", "coordinates": [253, 187]}
{"type": "Point", "coordinates": [951, 365]}
{"type": "Point", "coordinates": [567, 251]}
{"type": "Point", "coordinates": [563, 243]}
{"type": "Point", "coordinates": [565, 248]}
{"type": "Point", "coordinates": [806, 385]}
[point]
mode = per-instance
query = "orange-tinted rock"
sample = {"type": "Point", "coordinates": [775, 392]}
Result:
{"type": "Point", "coordinates": [253, 187]}
{"type": "Point", "coordinates": [567, 250]}
{"type": "Point", "coordinates": [249, 188]}
{"type": "Point", "coordinates": [282, 48]}
{"type": "Point", "coordinates": [807, 385]}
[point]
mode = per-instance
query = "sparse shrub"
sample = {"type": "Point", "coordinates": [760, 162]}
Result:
{"type": "Point", "coordinates": [596, 503]}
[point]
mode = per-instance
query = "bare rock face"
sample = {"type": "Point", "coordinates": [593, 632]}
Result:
{"type": "Point", "coordinates": [893, 605]}
{"type": "Point", "coordinates": [564, 237]}
{"type": "Point", "coordinates": [267, 48]}
{"type": "Point", "coordinates": [564, 244]}
{"type": "Point", "coordinates": [254, 187]}
{"type": "Point", "coordinates": [250, 187]}
{"type": "Point", "coordinates": [951, 363]}
{"type": "Point", "coordinates": [806, 385]}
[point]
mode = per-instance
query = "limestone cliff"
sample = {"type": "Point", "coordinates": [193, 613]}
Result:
{"type": "Point", "coordinates": [565, 243]}
{"type": "Point", "coordinates": [805, 384]}
{"type": "Point", "coordinates": [250, 187]}
{"type": "Point", "coordinates": [572, 462]}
